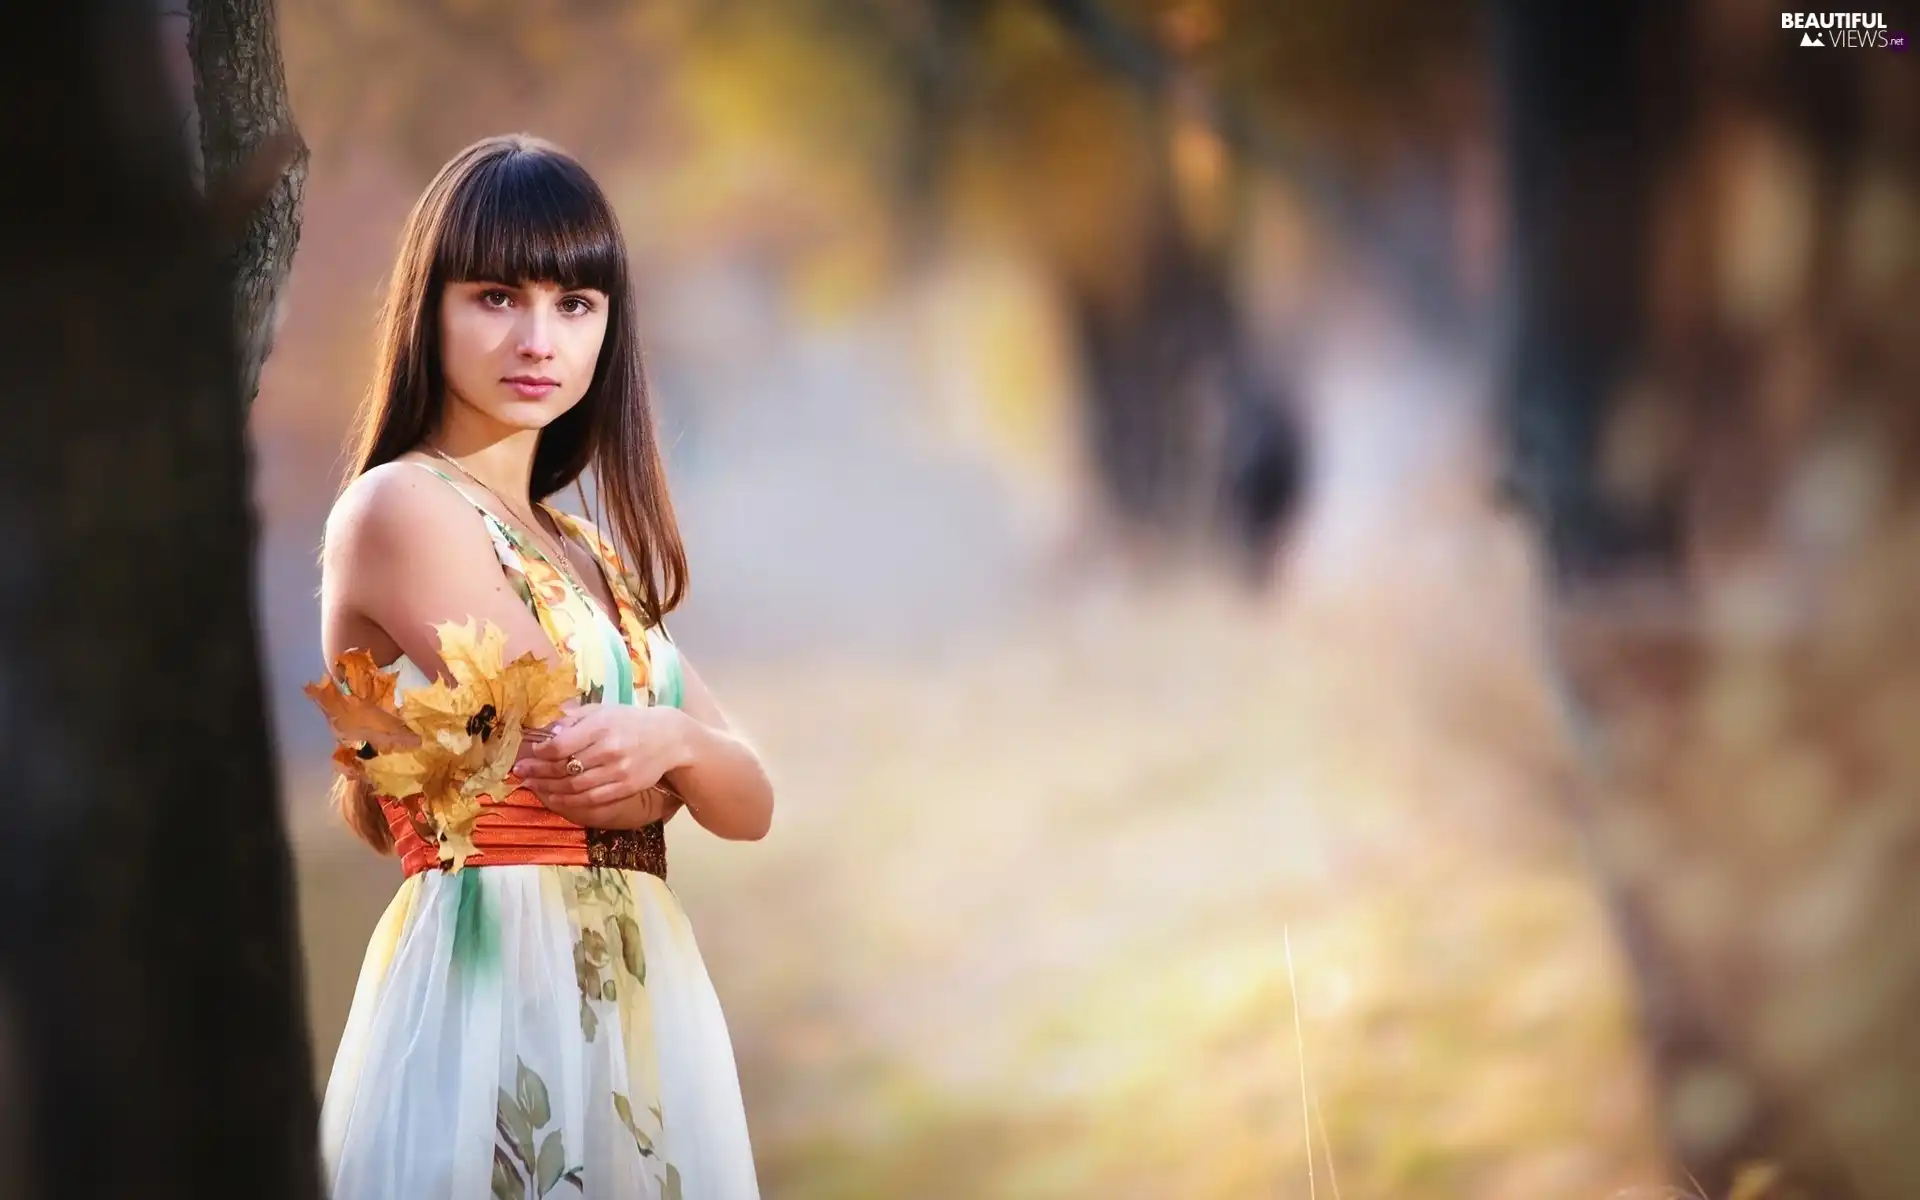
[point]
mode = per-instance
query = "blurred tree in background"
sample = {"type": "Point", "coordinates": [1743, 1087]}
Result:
{"type": "Point", "coordinates": [1716, 239]}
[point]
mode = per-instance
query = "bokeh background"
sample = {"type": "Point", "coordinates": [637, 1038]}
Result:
{"type": "Point", "coordinates": [1080, 419]}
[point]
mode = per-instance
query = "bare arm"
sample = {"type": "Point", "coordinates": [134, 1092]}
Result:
{"type": "Point", "coordinates": [629, 750]}
{"type": "Point", "coordinates": [718, 775]}
{"type": "Point", "coordinates": [405, 552]}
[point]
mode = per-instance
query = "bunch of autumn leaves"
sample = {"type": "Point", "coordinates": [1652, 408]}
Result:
{"type": "Point", "coordinates": [442, 747]}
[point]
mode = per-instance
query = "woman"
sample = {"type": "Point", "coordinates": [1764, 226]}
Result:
{"type": "Point", "coordinates": [540, 1022]}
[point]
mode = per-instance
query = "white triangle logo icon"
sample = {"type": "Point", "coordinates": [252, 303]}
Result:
{"type": "Point", "coordinates": [1808, 39]}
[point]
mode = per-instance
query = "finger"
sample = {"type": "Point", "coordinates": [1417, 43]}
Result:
{"type": "Point", "coordinates": [559, 787]}
{"type": "Point", "coordinates": [587, 808]}
{"type": "Point", "coordinates": [600, 798]}
{"type": "Point", "coordinates": [573, 712]}
{"type": "Point", "coordinates": [570, 741]}
{"type": "Point", "coordinates": [542, 768]}
{"type": "Point", "coordinates": [562, 784]}
{"type": "Point", "coordinates": [528, 770]}
{"type": "Point", "coordinates": [530, 766]}
{"type": "Point", "coordinates": [567, 741]}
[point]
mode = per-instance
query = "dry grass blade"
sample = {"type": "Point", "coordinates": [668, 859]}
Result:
{"type": "Point", "coordinates": [1300, 1044]}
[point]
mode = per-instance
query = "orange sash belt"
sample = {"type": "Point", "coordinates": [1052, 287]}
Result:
{"type": "Point", "coordinates": [520, 830]}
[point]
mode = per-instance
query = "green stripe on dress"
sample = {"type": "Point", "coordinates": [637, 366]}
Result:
{"type": "Point", "coordinates": [664, 658]}
{"type": "Point", "coordinates": [616, 647]}
{"type": "Point", "coordinates": [476, 942]}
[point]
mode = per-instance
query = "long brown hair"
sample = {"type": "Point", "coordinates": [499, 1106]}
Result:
{"type": "Point", "coordinates": [519, 210]}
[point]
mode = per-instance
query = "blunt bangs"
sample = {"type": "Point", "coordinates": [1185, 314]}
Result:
{"type": "Point", "coordinates": [528, 216]}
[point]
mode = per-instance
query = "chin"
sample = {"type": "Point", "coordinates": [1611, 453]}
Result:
{"type": "Point", "coordinates": [527, 414]}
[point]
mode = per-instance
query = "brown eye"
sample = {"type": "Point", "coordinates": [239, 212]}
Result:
{"type": "Point", "coordinates": [495, 298]}
{"type": "Point", "coordinates": [576, 306]}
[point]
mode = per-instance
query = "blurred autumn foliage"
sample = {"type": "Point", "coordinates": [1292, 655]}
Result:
{"type": "Point", "coordinates": [1161, 165]}
{"type": "Point", "coordinates": [1269, 282]}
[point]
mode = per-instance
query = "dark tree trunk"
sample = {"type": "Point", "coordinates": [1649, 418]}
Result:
{"type": "Point", "coordinates": [1583, 136]}
{"type": "Point", "coordinates": [1722, 455]}
{"type": "Point", "coordinates": [249, 148]}
{"type": "Point", "coordinates": [152, 1031]}
{"type": "Point", "coordinates": [1187, 439]}
{"type": "Point", "coordinates": [1154, 355]}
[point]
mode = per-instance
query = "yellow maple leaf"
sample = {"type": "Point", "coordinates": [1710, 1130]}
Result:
{"type": "Point", "coordinates": [406, 774]}
{"type": "Point", "coordinates": [544, 690]}
{"type": "Point", "coordinates": [456, 847]}
{"type": "Point", "coordinates": [473, 650]}
{"type": "Point", "coordinates": [441, 710]}
{"type": "Point", "coordinates": [482, 713]}
{"type": "Point", "coordinates": [440, 713]}
{"type": "Point", "coordinates": [453, 824]}
{"type": "Point", "coordinates": [486, 695]}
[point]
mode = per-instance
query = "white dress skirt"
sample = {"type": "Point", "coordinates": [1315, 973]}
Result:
{"type": "Point", "coordinates": [532, 1031]}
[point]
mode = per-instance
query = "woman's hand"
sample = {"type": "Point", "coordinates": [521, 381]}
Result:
{"type": "Point", "coordinates": [623, 752]}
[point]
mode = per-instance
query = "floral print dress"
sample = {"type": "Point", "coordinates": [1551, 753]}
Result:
{"type": "Point", "coordinates": [540, 1023]}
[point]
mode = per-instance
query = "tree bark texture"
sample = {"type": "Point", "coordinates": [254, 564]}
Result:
{"type": "Point", "coordinates": [153, 1039]}
{"type": "Point", "coordinates": [255, 164]}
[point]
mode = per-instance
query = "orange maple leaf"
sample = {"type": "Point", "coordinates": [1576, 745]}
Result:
{"type": "Point", "coordinates": [357, 700]}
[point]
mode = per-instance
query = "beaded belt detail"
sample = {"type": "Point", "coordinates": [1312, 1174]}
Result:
{"type": "Point", "coordinates": [642, 849]}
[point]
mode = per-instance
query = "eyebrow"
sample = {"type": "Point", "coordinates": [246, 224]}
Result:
{"type": "Point", "coordinates": [501, 283]}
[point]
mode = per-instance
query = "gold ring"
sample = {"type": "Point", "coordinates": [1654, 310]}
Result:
{"type": "Point", "coordinates": [574, 765]}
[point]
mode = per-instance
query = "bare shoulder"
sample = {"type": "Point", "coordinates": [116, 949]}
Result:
{"type": "Point", "coordinates": [404, 553]}
{"type": "Point", "coordinates": [394, 500]}
{"type": "Point", "coordinates": [395, 524]}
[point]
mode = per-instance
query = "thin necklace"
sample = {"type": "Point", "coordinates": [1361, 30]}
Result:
{"type": "Point", "coordinates": [563, 564]}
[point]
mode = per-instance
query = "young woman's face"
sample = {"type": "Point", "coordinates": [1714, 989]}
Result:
{"type": "Point", "coordinates": [520, 354]}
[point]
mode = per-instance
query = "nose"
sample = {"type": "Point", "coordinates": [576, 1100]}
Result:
{"type": "Point", "coordinates": [534, 334]}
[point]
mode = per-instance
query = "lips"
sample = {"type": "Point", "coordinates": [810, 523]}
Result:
{"type": "Point", "coordinates": [531, 385]}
